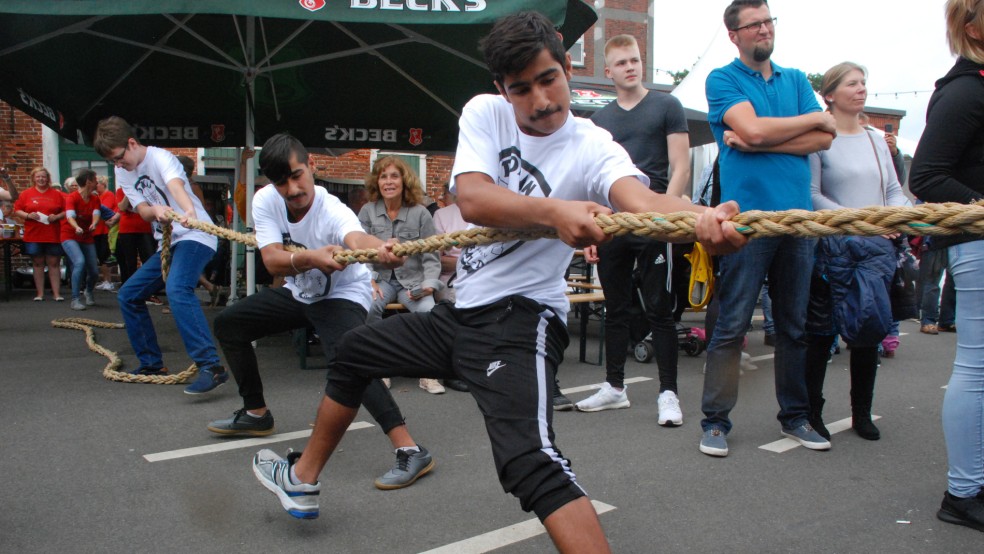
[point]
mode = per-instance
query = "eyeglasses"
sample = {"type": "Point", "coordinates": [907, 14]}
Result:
{"type": "Point", "coordinates": [755, 27]}
{"type": "Point", "coordinates": [117, 159]}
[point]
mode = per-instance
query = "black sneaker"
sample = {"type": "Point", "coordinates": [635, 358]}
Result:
{"type": "Point", "coordinates": [242, 423]}
{"type": "Point", "coordinates": [149, 371]}
{"type": "Point", "coordinates": [560, 402]}
{"type": "Point", "coordinates": [968, 512]}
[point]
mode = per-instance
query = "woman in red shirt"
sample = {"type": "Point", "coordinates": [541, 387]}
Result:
{"type": "Point", "coordinates": [81, 220]}
{"type": "Point", "coordinates": [41, 207]}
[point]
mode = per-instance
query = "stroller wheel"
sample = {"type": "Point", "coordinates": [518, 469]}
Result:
{"type": "Point", "coordinates": [643, 352]}
{"type": "Point", "coordinates": [693, 346]}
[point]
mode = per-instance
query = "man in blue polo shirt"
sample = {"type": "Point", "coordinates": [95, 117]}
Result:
{"type": "Point", "coordinates": [766, 120]}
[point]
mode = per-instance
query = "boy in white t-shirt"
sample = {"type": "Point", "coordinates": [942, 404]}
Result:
{"type": "Point", "coordinates": [156, 185]}
{"type": "Point", "coordinates": [317, 291]}
{"type": "Point", "coordinates": [523, 161]}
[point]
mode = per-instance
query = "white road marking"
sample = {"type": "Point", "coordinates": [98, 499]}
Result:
{"type": "Point", "coordinates": [762, 357]}
{"type": "Point", "coordinates": [784, 445]}
{"type": "Point", "coordinates": [597, 386]}
{"type": "Point", "coordinates": [505, 536]}
{"type": "Point", "coordinates": [235, 444]}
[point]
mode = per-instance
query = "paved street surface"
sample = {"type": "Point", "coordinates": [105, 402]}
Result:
{"type": "Point", "coordinates": [91, 465]}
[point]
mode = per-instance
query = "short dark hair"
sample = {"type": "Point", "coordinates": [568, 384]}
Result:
{"type": "Point", "coordinates": [112, 132]}
{"type": "Point", "coordinates": [84, 176]}
{"type": "Point", "coordinates": [516, 40]}
{"type": "Point", "coordinates": [732, 11]}
{"type": "Point", "coordinates": [275, 156]}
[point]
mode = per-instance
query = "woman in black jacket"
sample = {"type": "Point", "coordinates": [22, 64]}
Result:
{"type": "Point", "coordinates": [949, 167]}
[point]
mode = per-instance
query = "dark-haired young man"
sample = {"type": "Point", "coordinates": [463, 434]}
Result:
{"type": "Point", "coordinates": [156, 185]}
{"type": "Point", "coordinates": [523, 161]}
{"type": "Point", "coordinates": [317, 291]}
{"type": "Point", "coordinates": [766, 121]}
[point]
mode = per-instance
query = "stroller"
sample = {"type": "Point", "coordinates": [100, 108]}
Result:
{"type": "Point", "coordinates": [691, 339]}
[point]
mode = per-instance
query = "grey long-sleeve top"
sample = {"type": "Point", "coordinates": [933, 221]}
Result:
{"type": "Point", "coordinates": [847, 175]}
{"type": "Point", "coordinates": [412, 223]}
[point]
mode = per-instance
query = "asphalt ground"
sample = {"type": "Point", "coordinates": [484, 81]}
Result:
{"type": "Point", "coordinates": [75, 453]}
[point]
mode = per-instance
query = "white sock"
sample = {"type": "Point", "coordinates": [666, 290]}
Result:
{"type": "Point", "coordinates": [254, 414]}
{"type": "Point", "coordinates": [294, 480]}
{"type": "Point", "coordinates": [409, 449]}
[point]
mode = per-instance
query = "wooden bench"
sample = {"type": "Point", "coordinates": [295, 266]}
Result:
{"type": "Point", "coordinates": [300, 336]}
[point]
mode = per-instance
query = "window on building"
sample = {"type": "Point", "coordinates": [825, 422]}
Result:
{"type": "Point", "coordinates": [577, 53]}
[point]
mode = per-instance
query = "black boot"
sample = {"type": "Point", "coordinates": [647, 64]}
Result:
{"type": "Point", "coordinates": [817, 350]}
{"type": "Point", "coordinates": [862, 425]}
{"type": "Point", "coordinates": [864, 364]}
{"type": "Point", "coordinates": [815, 417]}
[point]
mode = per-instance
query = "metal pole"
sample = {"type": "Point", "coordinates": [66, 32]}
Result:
{"type": "Point", "coordinates": [250, 143]}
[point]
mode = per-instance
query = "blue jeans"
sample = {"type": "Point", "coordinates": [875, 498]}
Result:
{"type": "Point", "coordinates": [935, 309]}
{"type": "Point", "coordinates": [963, 403]}
{"type": "Point", "coordinates": [768, 324]}
{"type": "Point", "coordinates": [188, 259]}
{"type": "Point", "coordinates": [393, 291]}
{"type": "Point", "coordinates": [788, 263]}
{"type": "Point", "coordinates": [85, 265]}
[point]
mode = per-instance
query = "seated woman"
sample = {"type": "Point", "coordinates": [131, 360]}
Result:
{"type": "Point", "coordinates": [394, 210]}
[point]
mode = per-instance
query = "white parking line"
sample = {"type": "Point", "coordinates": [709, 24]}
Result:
{"type": "Point", "coordinates": [784, 445]}
{"type": "Point", "coordinates": [596, 386]}
{"type": "Point", "coordinates": [505, 536]}
{"type": "Point", "coordinates": [235, 444]}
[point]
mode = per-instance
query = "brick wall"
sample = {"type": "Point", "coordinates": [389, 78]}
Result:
{"type": "Point", "coordinates": [20, 144]}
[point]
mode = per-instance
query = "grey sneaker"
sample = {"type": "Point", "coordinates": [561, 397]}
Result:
{"type": "Point", "coordinates": [77, 304]}
{"type": "Point", "coordinates": [409, 467]}
{"type": "Point", "coordinates": [560, 402]}
{"type": "Point", "coordinates": [714, 443]}
{"type": "Point", "coordinates": [807, 436]}
{"type": "Point", "coordinates": [242, 423]}
{"type": "Point", "coordinates": [88, 298]}
{"type": "Point", "coordinates": [300, 501]}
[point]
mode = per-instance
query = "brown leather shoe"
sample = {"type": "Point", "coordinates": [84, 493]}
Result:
{"type": "Point", "coordinates": [929, 329]}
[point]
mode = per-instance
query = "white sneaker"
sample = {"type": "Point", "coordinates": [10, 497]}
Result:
{"type": "Point", "coordinates": [669, 409]}
{"type": "Point", "coordinates": [89, 301]}
{"type": "Point", "coordinates": [432, 386]}
{"type": "Point", "coordinates": [105, 285]}
{"type": "Point", "coordinates": [746, 362]}
{"type": "Point", "coordinates": [607, 398]}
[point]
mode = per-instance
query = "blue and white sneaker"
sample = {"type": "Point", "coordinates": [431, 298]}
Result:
{"type": "Point", "coordinates": [300, 501]}
{"type": "Point", "coordinates": [807, 436]}
{"type": "Point", "coordinates": [208, 379]}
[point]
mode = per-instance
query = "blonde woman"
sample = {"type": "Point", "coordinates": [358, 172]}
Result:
{"type": "Point", "coordinates": [395, 211]}
{"type": "Point", "coordinates": [949, 167]}
{"type": "Point", "coordinates": [42, 207]}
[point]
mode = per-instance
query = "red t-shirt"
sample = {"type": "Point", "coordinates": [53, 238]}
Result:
{"type": "Point", "coordinates": [83, 217]}
{"type": "Point", "coordinates": [130, 221]}
{"type": "Point", "coordinates": [49, 202]}
{"type": "Point", "coordinates": [107, 199]}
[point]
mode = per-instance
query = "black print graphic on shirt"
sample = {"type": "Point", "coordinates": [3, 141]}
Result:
{"type": "Point", "coordinates": [531, 183]}
{"type": "Point", "coordinates": [313, 283]}
{"type": "Point", "coordinates": [153, 195]}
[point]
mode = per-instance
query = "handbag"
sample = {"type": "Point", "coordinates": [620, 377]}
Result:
{"type": "Point", "coordinates": [902, 292]}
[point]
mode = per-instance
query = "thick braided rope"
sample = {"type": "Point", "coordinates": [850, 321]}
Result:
{"type": "Point", "coordinates": [924, 219]}
{"type": "Point", "coordinates": [112, 369]}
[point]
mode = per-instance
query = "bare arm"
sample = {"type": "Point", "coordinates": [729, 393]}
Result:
{"type": "Point", "coordinates": [714, 232]}
{"type": "Point", "coordinates": [771, 131]}
{"type": "Point", "coordinates": [9, 189]}
{"type": "Point", "coordinates": [678, 151]}
{"type": "Point", "coordinates": [803, 145]}
{"type": "Point", "coordinates": [482, 202]}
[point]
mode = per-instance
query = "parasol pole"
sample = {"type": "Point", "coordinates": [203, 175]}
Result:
{"type": "Point", "coordinates": [250, 143]}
